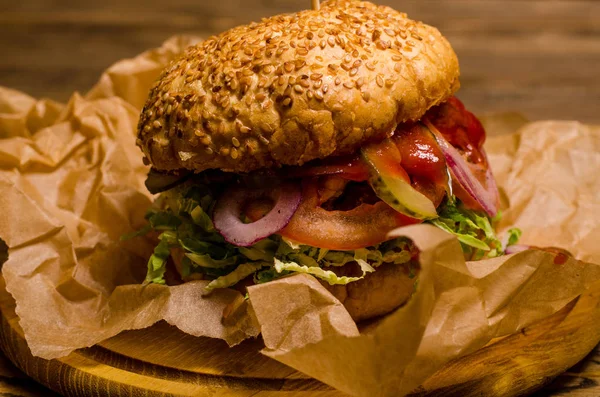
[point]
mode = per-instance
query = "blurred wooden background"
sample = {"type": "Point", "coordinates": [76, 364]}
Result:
{"type": "Point", "coordinates": [539, 57]}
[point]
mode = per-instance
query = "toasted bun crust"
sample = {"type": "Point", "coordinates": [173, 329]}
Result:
{"type": "Point", "coordinates": [379, 293]}
{"type": "Point", "coordinates": [294, 88]}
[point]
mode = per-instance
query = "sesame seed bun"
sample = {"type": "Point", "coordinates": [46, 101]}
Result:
{"type": "Point", "coordinates": [294, 88]}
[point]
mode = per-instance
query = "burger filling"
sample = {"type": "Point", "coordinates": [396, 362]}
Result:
{"type": "Point", "coordinates": [315, 218]}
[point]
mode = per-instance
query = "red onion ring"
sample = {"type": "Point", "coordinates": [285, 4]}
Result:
{"type": "Point", "coordinates": [226, 216]}
{"type": "Point", "coordinates": [461, 171]}
{"type": "Point", "coordinates": [513, 249]}
{"type": "Point", "coordinates": [490, 181]}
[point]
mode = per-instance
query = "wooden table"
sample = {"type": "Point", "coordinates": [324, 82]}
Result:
{"type": "Point", "coordinates": [540, 58]}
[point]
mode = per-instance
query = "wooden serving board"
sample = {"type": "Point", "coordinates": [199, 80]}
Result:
{"type": "Point", "coordinates": [162, 361]}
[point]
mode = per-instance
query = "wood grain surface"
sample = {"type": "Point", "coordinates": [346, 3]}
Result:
{"type": "Point", "coordinates": [162, 361]}
{"type": "Point", "coordinates": [538, 57]}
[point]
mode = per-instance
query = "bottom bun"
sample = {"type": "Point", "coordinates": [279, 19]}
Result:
{"type": "Point", "coordinates": [379, 293]}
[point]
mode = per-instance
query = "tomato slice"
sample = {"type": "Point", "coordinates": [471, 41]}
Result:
{"type": "Point", "coordinates": [360, 227]}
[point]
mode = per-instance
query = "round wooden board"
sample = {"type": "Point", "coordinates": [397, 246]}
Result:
{"type": "Point", "coordinates": [162, 361]}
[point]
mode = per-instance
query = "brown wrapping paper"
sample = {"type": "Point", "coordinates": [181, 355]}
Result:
{"type": "Point", "coordinates": [71, 180]}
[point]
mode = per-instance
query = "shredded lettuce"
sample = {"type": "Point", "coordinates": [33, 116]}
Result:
{"type": "Point", "coordinates": [513, 235]}
{"type": "Point", "coordinates": [241, 272]}
{"type": "Point", "coordinates": [157, 263]}
{"type": "Point", "coordinates": [316, 271]}
{"type": "Point", "coordinates": [473, 229]}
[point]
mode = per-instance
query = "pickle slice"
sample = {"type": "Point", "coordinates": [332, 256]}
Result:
{"type": "Point", "coordinates": [392, 184]}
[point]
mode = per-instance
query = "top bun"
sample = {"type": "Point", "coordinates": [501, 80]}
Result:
{"type": "Point", "coordinates": [294, 88]}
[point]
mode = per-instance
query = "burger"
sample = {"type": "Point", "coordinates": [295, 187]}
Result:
{"type": "Point", "coordinates": [296, 144]}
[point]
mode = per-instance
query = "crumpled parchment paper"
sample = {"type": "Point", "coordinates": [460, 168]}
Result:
{"type": "Point", "coordinates": [71, 180]}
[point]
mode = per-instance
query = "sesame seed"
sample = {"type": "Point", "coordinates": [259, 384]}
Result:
{"type": "Point", "coordinates": [298, 88]}
{"type": "Point", "coordinates": [360, 82]}
{"type": "Point", "coordinates": [317, 84]}
{"type": "Point", "coordinates": [206, 140]}
{"type": "Point", "coordinates": [302, 51]}
{"type": "Point", "coordinates": [325, 88]}
{"type": "Point", "coordinates": [337, 107]}
{"type": "Point", "coordinates": [331, 41]}
{"type": "Point", "coordinates": [234, 153]}
{"type": "Point", "coordinates": [244, 129]}
{"type": "Point", "coordinates": [224, 151]}
{"type": "Point", "coordinates": [147, 128]}
{"type": "Point", "coordinates": [263, 139]}
{"type": "Point", "coordinates": [309, 94]}
{"type": "Point", "coordinates": [398, 67]}
{"type": "Point", "coordinates": [338, 81]}
{"type": "Point", "coordinates": [157, 124]}
{"type": "Point", "coordinates": [347, 58]}
{"type": "Point", "coordinates": [366, 96]}
{"type": "Point", "coordinates": [379, 80]}
{"type": "Point", "coordinates": [208, 150]}
{"type": "Point", "coordinates": [353, 72]}
{"type": "Point", "coordinates": [304, 83]}
{"type": "Point", "coordinates": [319, 95]}
{"type": "Point", "coordinates": [287, 101]}
{"type": "Point", "coordinates": [235, 142]}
